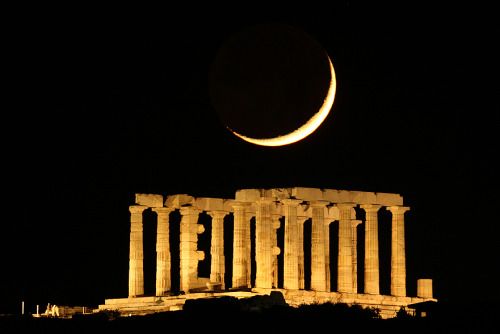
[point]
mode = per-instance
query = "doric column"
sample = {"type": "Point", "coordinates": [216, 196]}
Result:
{"type": "Point", "coordinates": [241, 246]}
{"type": "Point", "coordinates": [372, 285]}
{"type": "Point", "coordinates": [189, 254]}
{"type": "Point", "coordinates": [275, 250]}
{"type": "Point", "coordinates": [344, 273]}
{"type": "Point", "coordinates": [355, 223]}
{"type": "Point", "coordinates": [217, 268]}
{"type": "Point", "coordinates": [162, 251]}
{"type": "Point", "coordinates": [300, 242]}
{"type": "Point", "coordinates": [292, 245]}
{"type": "Point", "coordinates": [398, 257]}
{"type": "Point", "coordinates": [319, 245]}
{"type": "Point", "coordinates": [136, 257]}
{"type": "Point", "coordinates": [263, 246]}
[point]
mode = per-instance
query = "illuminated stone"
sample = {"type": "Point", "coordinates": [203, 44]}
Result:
{"type": "Point", "coordinates": [345, 269]}
{"type": "Point", "coordinates": [372, 285]}
{"type": "Point", "coordinates": [217, 247]}
{"type": "Point", "coordinates": [163, 259]}
{"type": "Point", "coordinates": [149, 200]}
{"type": "Point", "coordinates": [398, 256]}
{"type": "Point", "coordinates": [263, 244]}
{"type": "Point", "coordinates": [320, 264]}
{"type": "Point", "coordinates": [424, 288]}
{"type": "Point", "coordinates": [295, 206]}
{"type": "Point", "coordinates": [136, 257]}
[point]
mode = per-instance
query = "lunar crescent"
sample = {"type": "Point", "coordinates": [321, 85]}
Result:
{"type": "Point", "coordinates": [306, 129]}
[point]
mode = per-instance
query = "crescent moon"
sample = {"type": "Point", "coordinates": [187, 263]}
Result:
{"type": "Point", "coordinates": [306, 129]}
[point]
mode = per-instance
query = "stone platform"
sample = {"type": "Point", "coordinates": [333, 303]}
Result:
{"type": "Point", "coordinates": [388, 305]}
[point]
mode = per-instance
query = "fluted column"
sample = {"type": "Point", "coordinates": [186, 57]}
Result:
{"type": "Point", "coordinates": [163, 261]}
{"type": "Point", "coordinates": [136, 257]}
{"type": "Point", "coordinates": [275, 249]}
{"type": "Point", "coordinates": [398, 257]}
{"type": "Point", "coordinates": [292, 245]}
{"type": "Point", "coordinates": [355, 223]}
{"type": "Point", "coordinates": [372, 285]}
{"type": "Point", "coordinates": [263, 247]}
{"type": "Point", "coordinates": [319, 254]}
{"type": "Point", "coordinates": [217, 268]}
{"type": "Point", "coordinates": [300, 242]}
{"type": "Point", "coordinates": [241, 246]}
{"type": "Point", "coordinates": [189, 254]}
{"type": "Point", "coordinates": [344, 273]}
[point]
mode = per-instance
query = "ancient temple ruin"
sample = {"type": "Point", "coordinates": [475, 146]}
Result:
{"type": "Point", "coordinates": [269, 208]}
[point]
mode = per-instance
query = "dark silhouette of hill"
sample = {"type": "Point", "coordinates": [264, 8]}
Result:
{"type": "Point", "coordinates": [265, 314]}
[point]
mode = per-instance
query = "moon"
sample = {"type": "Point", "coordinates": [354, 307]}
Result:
{"type": "Point", "coordinates": [306, 129]}
{"type": "Point", "coordinates": [272, 85]}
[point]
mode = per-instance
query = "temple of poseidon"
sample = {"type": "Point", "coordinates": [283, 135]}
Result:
{"type": "Point", "coordinates": [267, 207]}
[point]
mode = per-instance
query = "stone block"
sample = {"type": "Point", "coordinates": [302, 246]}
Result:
{"type": "Point", "coordinates": [176, 201]}
{"type": "Point", "coordinates": [389, 199]}
{"type": "Point", "coordinates": [308, 194]}
{"type": "Point", "coordinates": [149, 200]}
{"type": "Point", "coordinates": [363, 197]}
{"type": "Point", "coordinates": [281, 193]}
{"type": "Point", "coordinates": [209, 204]}
{"type": "Point", "coordinates": [248, 195]}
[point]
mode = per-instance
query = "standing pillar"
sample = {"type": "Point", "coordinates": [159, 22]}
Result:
{"type": "Point", "coordinates": [293, 245]}
{"type": "Point", "coordinates": [319, 245]}
{"type": "Point", "coordinates": [136, 257]}
{"type": "Point", "coordinates": [263, 246]}
{"type": "Point", "coordinates": [275, 249]}
{"type": "Point", "coordinates": [189, 254]}
{"type": "Point", "coordinates": [241, 246]}
{"type": "Point", "coordinates": [300, 242]}
{"type": "Point", "coordinates": [372, 285]}
{"type": "Point", "coordinates": [355, 224]}
{"type": "Point", "coordinates": [398, 257]}
{"type": "Point", "coordinates": [344, 273]}
{"type": "Point", "coordinates": [217, 268]}
{"type": "Point", "coordinates": [163, 281]}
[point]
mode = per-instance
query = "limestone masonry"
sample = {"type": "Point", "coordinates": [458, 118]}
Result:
{"type": "Point", "coordinates": [267, 206]}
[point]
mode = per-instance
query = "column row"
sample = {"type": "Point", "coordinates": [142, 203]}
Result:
{"type": "Point", "coordinates": [267, 251]}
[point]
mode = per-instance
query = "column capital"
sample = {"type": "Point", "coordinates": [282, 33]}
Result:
{"type": "Point", "coordinates": [398, 209]}
{"type": "Point", "coordinates": [343, 206]}
{"type": "Point", "coordinates": [370, 207]}
{"type": "Point", "coordinates": [291, 201]}
{"type": "Point", "coordinates": [137, 208]}
{"type": "Point", "coordinates": [217, 214]}
{"type": "Point", "coordinates": [319, 204]}
{"type": "Point", "coordinates": [189, 210]}
{"type": "Point", "coordinates": [265, 200]}
{"type": "Point", "coordinates": [240, 205]}
{"type": "Point", "coordinates": [355, 222]}
{"type": "Point", "coordinates": [163, 210]}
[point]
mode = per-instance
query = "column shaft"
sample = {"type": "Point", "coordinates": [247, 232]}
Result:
{"type": "Point", "coordinates": [275, 250]}
{"type": "Point", "coordinates": [163, 262]}
{"type": "Point", "coordinates": [318, 248]}
{"type": "Point", "coordinates": [355, 223]}
{"type": "Point", "coordinates": [372, 285]}
{"type": "Point", "coordinates": [189, 247]}
{"type": "Point", "coordinates": [293, 245]}
{"type": "Point", "coordinates": [136, 257]}
{"type": "Point", "coordinates": [217, 267]}
{"type": "Point", "coordinates": [398, 257]}
{"type": "Point", "coordinates": [241, 246]}
{"type": "Point", "coordinates": [344, 273]}
{"type": "Point", "coordinates": [263, 247]}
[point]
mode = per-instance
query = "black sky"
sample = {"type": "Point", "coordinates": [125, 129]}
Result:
{"type": "Point", "coordinates": [110, 104]}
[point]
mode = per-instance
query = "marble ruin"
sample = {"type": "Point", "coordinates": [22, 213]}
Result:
{"type": "Point", "coordinates": [322, 207]}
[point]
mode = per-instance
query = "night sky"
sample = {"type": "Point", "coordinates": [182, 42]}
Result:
{"type": "Point", "coordinates": [108, 104]}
